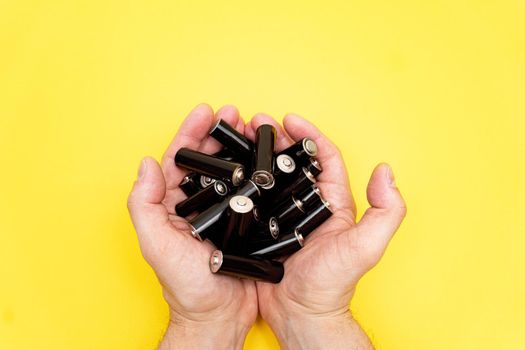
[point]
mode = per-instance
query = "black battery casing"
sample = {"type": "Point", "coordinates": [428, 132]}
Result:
{"type": "Point", "coordinates": [247, 267]}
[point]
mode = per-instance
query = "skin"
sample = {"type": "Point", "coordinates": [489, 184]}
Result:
{"type": "Point", "coordinates": [309, 308]}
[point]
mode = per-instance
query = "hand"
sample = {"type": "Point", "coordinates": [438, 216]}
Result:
{"type": "Point", "coordinates": [309, 309]}
{"type": "Point", "coordinates": [206, 310]}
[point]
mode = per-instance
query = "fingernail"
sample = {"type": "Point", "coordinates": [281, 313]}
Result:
{"type": "Point", "coordinates": [390, 177]}
{"type": "Point", "coordinates": [142, 169]}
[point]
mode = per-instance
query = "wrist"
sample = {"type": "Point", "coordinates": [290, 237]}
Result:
{"type": "Point", "coordinates": [339, 331]}
{"type": "Point", "coordinates": [212, 334]}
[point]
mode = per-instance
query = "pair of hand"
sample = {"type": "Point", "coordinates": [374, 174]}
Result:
{"type": "Point", "coordinates": [309, 308]}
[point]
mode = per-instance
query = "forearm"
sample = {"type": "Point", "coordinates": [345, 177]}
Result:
{"type": "Point", "coordinates": [342, 332]}
{"type": "Point", "coordinates": [203, 336]}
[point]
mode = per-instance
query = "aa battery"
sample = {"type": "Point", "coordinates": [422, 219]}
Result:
{"type": "Point", "coordinates": [206, 222]}
{"type": "Point", "coordinates": [190, 184]}
{"type": "Point", "coordinates": [284, 169]}
{"type": "Point", "coordinates": [314, 167]}
{"type": "Point", "coordinates": [302, 150]}
{"type": "Point", "coordinates": [286, 245]}
{"type": "Point", "coordinates": [209, 165]}
{"type": "Point", "coordinates": [202, 199]}
{"type": "Point", "coordinates": [263, 160]}
{"type": "Point", "coordinates": [239, 221]}
{"type": "Point", "coordinates": [231, 138]}
{"type": "Point", "coordinates": [314, 219]}
{"type": "Point", "coordinates": [310, 198]}
{"type": "Point", "coordinates": [246, 267]}
{"type": "Point", "coordinates": [288, 212]}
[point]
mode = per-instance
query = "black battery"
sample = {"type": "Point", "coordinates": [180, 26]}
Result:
{"type": "Point", "coordinates": [314, 219]}
{"type": "Point", "coordinates": [208, 223]}
{"type": "Point", "coordinates": [310, 198]}
{"type": "Point", "coordinates": [263, 159]}
{"type": "Point", "coordinates": [239, 221]}
{"type": "Point", "coordinates": [288, 212]}
{"type": "Point", "coordinates": [286, 245]}
{"type": "Point", "coordinates": [211, 166]}
{"type": "Point", "coordinates": [246, 267]}
{"type": "Point", "coordinates": [302, 150]}
{"type": "Point", "coordinates": [284, 169]}
{"type": "Point", "coordinates": [314, 167]}
{"type": "Point", "coordinates": [190, 184]}
{"type": "Point", "coordinates": [202, 199]}
{"type": "Point", "coordinates": [236, 142]}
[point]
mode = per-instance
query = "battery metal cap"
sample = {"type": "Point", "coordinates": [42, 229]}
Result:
{"type": "Point", "coordinates": [241, 204]}
{"type": "Point", "coordinates": [299, 236]}
{"type": "Point", "coordinates": [285, 163]}
{"type": "Point", "coordinates": [195, 233]}
{"type": "Point", "coordinates": [220, 188]}
{"type": "Point", "coordinates": [238, 176]}
{"type": "Point", "coordinates": [273, 225]}
{"type": "Point", "coordinates": [310, 147]}
{"type": "Point", "coordinates": [206, 181]}
{"type": "Point", "coordinates": [263, 178]}
{"type": "Point", "coordinates": [216, 261]}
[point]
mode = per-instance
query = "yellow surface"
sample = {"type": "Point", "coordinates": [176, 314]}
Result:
{"type": "Point", "coordinates": [436, 88]}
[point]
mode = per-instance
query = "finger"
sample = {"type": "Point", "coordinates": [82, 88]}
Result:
{"type": "Point", "coordinates": [382, 219]}
{"type": "Point", "coordinates": [282, 140]}
{"type": "Point", "coordinates": [333, 180]}
{"type": "Point", "coordinates": [230, 114]}
{"type": "Point", "coordinates": [148, 214]}
{"type": "Point", "coordinates": [193, 131]}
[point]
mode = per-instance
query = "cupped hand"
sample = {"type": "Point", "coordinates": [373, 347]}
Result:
{"type": "Point", "coordinates": [206, 310]}
{"type": "Point", "coordinates": [309, 308]}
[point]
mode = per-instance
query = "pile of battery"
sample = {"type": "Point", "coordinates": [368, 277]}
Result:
{"type": "Point", "coordinates": [253, 204]}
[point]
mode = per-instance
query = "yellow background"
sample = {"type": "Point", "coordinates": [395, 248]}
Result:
{"type": "Point", "coordinates": [436, 88]}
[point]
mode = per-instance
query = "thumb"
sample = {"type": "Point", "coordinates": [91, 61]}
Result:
{"type": "Point", "coordinates": [381, 220]}
{"type": "Point", "coordinates": [148, 214]}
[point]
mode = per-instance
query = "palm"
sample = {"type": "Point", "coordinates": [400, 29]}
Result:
{"type": "Point", "coordinates": [184, 259]}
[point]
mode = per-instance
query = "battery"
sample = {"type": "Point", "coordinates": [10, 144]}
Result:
{"type": "Point", "coordinates": [189, 184]}
{"type": "Point", "coordinates": [314, 167]}
{"type": "Point", "coordinates": [263, 159]}
{"type": "Point", "coordinates": [239, 221]}
{"type": "Point", "coordinates": [203, 225]}
{"type": "Point", "coordinates": [202, 199]}
{"type": "Point", "coordinates": [289, 212]}
{"type": "Point", "coordinates": [246, 267]}
{"type": "Point", "coordinates": [286, 245]}
{"type": "Point", "coordinates": [211, 166]}
{"type": "Point", "coordinates": [302, 150]}
{"type": "Point", "coordinates": [236, 142]}
{"type": "Point", "coordinates": [314, 219]}
{"type": "Point", "coordinates": [310, 198]}
{"type": "Point", "coordinates": [284, 169]}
